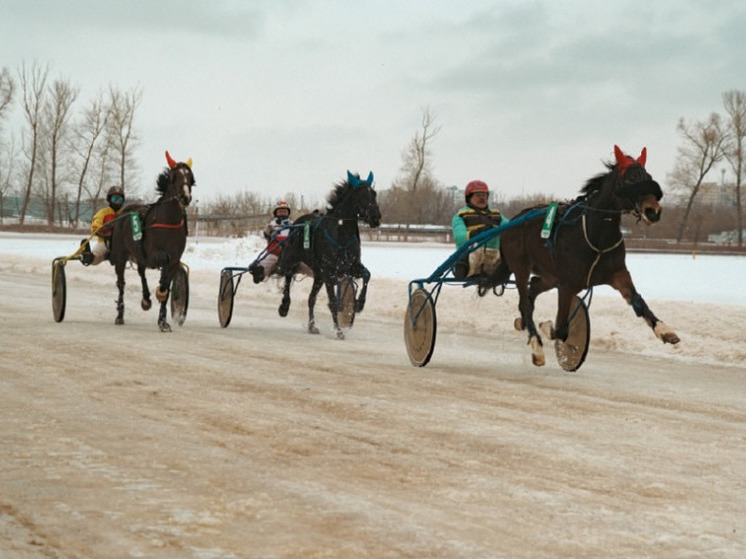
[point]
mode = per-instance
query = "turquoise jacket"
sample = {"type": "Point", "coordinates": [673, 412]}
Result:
{"type": "Point", "coordinates": [469, 222]}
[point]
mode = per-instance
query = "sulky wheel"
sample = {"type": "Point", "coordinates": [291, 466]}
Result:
{"type": "Point", "coordinates": [180, 295]}
{"type": "Point", "coordinates": [346, 290]}
{"type": "Point", "coordinates": [225, 298]}
{"type": "Point", "coordinates": [59, 290]}
{"type": "Point", "coordinates": [420, 326]}
{"type": "Point", "coordinates": [571, 353]}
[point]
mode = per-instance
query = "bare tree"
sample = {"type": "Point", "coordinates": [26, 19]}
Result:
{"type": "Point", "coordinates": [56, 116]}
{"type": "Point", "coordinates": [415, 181]}
{"type": "Point", "coordinates": [703, 147]}
{"type": "Point", "coordinates": [33, 87]}
{"type": "Point", "coordinates": [87, 142]}
{"type": "Point", "coordinates": [416, 157]}
{"type": "Point", "coordinates": [7, 91]}
{"type": "Point", "coordinates": [7, 159]}
{"type": "Point", "coordinates": [120, 128]}
{"type": "Point", "coordinates": [735, 106]}
{"type": "Point", "coordinates": [7, 156]}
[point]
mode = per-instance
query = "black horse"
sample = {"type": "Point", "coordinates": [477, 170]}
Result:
{"type": "Point", "coordinates": [154, 236]}
{"type": "Point", "coordinates": [585, 248]}
{"type": "Point", "coordinates": [329, 243]}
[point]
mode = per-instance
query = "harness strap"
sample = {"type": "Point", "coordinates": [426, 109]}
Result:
{"type": "Point", "coordinates": [337, 244]}
{"type": "Point", "coordinates": [598, 251]}
{"type": "Point", "coordinates": [167, 225]}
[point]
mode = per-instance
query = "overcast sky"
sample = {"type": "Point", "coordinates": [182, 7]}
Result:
{"type": "Point", "coordinates": [284, 96]}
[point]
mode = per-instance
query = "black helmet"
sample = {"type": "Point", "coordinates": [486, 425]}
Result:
{"type": "Point", "coordinates": [115, 191]}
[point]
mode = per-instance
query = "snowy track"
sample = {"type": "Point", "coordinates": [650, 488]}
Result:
{"type": "Point", "coordinates": [261, 440]}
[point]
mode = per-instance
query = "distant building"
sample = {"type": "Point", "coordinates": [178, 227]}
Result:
{"type": "Point", "coordinates": [712, 194]}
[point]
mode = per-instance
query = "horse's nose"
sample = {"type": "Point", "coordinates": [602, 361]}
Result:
{"type": "Point", "coordinates": [652, 214]}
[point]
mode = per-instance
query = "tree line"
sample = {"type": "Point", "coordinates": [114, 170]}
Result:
{"type": "Point", "coordinates": [416, 196]}
{"type": "Point", "coordinates": [69, 150]}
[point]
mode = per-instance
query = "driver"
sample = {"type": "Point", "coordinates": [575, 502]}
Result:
{"type": "Point", "coordinates": [471, 220]}
{"type": "Point", "coordinates": [102, 226]}
{"type": "Point", "coordinates": [276, 233]}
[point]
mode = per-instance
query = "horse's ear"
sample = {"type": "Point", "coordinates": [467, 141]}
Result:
{"type": "Point", "coordinates": [189, 162]}
{"type": "Point", "coordinates": [169, 159]}
{"type": "Point", "coordinates": [369, 180]}
{"type": "Point", "coordinates": [621, 159]}
{"type": "Point", "coordinates": [643, 157]}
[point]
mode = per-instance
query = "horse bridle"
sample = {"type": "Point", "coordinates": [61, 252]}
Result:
{"type": "Point", "coordinates": [181, 197]}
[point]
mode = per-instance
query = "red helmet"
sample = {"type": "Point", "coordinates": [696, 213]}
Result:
{"type": "Point", "coordinates": [475, 186]}
{"type": "Point", "coordinates": [281, 205]}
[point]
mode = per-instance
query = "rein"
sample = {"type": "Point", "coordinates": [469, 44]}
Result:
{"type": "Point", "coordinates": [599, 252]}
{"type": "Point", "coordinates": [583, 219]}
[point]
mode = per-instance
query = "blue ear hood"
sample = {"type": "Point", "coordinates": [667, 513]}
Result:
{"type": "Point", "coordinates": [355, 182]}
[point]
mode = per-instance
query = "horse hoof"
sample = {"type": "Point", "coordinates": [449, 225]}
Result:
{"type": "Point", "coordinates": [283, 310]}
{"type": "Point", "coordinates": [161, 294]}
{"type": "Point", "coordinates": [518, 324]}
{"type": "Point", "coordinates": [671, 338]}
{"type": "Point", "coordinates": [666, 335]}
{"type": "Point", "coordinates": [165, 327]}
{"type": "Point", "coordinates": [340, 335]}
{"type": "Point", "coordinates": [119, 321]}
{"type": "Point", "coordinates": [313, 330]}
{"type": "Point", "coordinates": [145, 304]}
{"type": "Point", "coordinates": [537, 351]}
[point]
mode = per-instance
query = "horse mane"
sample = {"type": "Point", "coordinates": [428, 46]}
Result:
{"type": "Point", "coordinates": [594, 184]}
{"type": "Point", "coordinates": [163, 181]}
{"type": "Point", "coordinates": [338, 194]}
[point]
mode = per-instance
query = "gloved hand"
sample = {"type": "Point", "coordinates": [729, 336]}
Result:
{"type": "Point", "coordinates": [105, 230]}
{"type": "Point", "coordinates": [478, 230]}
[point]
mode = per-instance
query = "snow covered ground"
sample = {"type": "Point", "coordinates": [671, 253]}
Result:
{"type": "Point", "coordinates": [261, 440]}
{"type": "Point", "coordinates": [669, 277]}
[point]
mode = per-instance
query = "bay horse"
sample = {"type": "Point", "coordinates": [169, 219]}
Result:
{"type": "Point", "coordinates": [329, 243]}
{"type": "Point", "coordinates": [585, 248]}
{"type": "Point", "coordinates": [163, 228]}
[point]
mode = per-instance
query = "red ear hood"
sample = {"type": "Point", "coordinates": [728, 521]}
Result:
{"type": "Point", "coordinates": [170, 161]}
{"type": "Point", "coordinates": [624, 161]}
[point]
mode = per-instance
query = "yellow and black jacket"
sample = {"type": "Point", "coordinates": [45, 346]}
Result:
{"type": "Point", "coordinates": [469, 222]}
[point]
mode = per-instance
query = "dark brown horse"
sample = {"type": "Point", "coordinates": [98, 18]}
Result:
{"type": "Point", "coordinates": [585, 248]}
{"type": "Point", "coordinates": [329, 243]}
{"type": "Point", "coordinates": [154, 236]}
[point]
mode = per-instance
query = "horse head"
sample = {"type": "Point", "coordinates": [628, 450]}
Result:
{"type": "Point", "coordinates": [636, 191]}
{"type": "Point", "coordinates": [364, 195]}
{"type": "Point", "coordinates": [177, 181]}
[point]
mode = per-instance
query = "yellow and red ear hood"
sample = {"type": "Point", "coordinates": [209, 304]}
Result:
{"type": "Point", "coordinates": [172, 163]}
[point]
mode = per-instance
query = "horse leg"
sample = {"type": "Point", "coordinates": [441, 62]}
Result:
{"type": "Point", "coordinates": [163, 289]}
{"type": "Point", "coordinates": [360, 302]}
{"type": "Point", "coordinates": [285, 304]}
{"type": "Point", "coordinates": [332, 296]}
{"type": "Point", "coordinates": [317, 282]}
{"type": "Point", "coordinates": [622, 282]}
{"type": "Point", "coordinates": [526, 320]}
{"type": "Point", "coordinates": [145, 303]}
{"type": "Point", "coordinates": [120, 300]}
{"type": "Point", "coordinates": [561, 327]}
